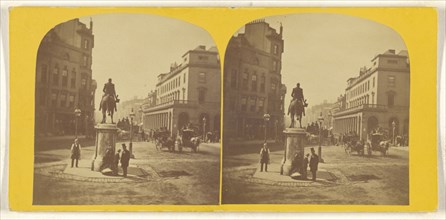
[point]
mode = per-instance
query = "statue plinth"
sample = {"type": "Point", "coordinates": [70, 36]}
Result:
{"type": "Point", "coordinates": [106, 136]}
{"type": "Point", "coordinates": [294, 151]}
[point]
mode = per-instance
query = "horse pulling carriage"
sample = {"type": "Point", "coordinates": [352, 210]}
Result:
{"type": "Point", "coordinates": [188, 139]}
{"type": "Point", "coordinates": [352, 143]}
{"type": "Point", "coordinates": [378, 142]}
{"type": "Point", "coordinates": [164, 140]}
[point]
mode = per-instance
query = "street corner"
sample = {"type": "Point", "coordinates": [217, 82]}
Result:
{"type": "Point", "coordinates": [273, 177]}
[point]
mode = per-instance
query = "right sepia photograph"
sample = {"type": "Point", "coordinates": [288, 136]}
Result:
{"type": "Point", "coordinates": [316, 111]}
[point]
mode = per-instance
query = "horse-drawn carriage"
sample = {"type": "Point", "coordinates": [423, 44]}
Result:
{"type": "Point", "coordinates": [164, 140]}
{"type": "Point", "coordinates": [377, 142]}
{"type": "Point", "coordinates": [352, 143]}
{"type": "Point", "coordinates": [188, 139]}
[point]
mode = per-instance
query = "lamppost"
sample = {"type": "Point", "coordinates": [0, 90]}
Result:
{"type": "Point", "coordinates": [393, 133]}
{"type": "Point", "coordinates": [330, 131]}
{"type": "Point", "coordinates": [320, 119]}
{"type": "Point", "coordinates": [132, 114]}
{"type": "Point", "coordinates": [204, 128]}
{"type": "Point", "coordinates": [329, 119]}
{"type": "Point", "coordinates": [77, 114]}
{"type": "Point", "coordinates": [266, 118]}
{"type": "Point", "coordinates": [276, 127]}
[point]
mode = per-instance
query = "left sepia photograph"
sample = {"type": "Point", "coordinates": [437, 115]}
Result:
{"type": "Point", "coordinates": [127, 112]}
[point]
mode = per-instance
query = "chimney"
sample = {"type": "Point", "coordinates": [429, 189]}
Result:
{"type": "Point", "coordinates": [281, 29]}
{"type": "Point", "coordinates": [91, 25]}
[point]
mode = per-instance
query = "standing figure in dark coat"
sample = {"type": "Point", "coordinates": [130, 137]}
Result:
{"type": "Point", "coordinates": [125, 158]}
{"type": "Point", "coordinates": [314, 161]}
{"type": "Point", "coordinates": [264, 157]}
{"type": "Point", "coordinates": [75, 152]}
{"type": "Point", "coordinates": [305, 166]}
{"type": "Point", "coordinates": [116, 162]}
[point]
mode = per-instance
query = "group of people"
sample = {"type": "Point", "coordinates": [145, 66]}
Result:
{"type": "Point", "coordinates": [124, 124]}
{"type": "Point", "coordinates": [111, 159]}
{"type": "Point", "coordinates": [212, 137]}
{"type": "Point", "coordinates": [311, 160]}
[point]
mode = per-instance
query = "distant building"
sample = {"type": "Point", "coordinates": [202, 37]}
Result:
{"type": "Point", "coordinates": [313, 113]}
{"type": "Point", "coordinates": [126, 107]}
{"type": "Point", "coordinates": [188, 93]}
{"type": "Point", "coordinates": [253, 83]}
{"type": "Point", "coordinates": [378, 97]}
{"type": "Point", "coordinates": [64, 79]}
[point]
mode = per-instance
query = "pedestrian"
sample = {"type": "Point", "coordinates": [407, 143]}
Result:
{"type": "Point", "coordinates": [314, 161]}
{"type": "Point", "coordinates": [305, 166]}
{"type": "Point", "coordinates": [264, 157]}
{"type": "Point", "coordinates": [75, 152]}
{"type": "Point", "coordinates": [125, 158]}
{"type": "Point", "coordinates": [116, 162]}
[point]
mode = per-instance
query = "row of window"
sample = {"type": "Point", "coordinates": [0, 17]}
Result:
{"type": "Point", "coordinates": [362, 100]}
{"type": "Point", "coordinates": [59, 99]}
{"type": "Point", "coordinates": [362, 88]}
{"type": "Point", "coordinates": [60, 77]}
{"type": "Point", "coordinates": [255, 104]}
{"type": "Point", "coordinates": [174, 83]}
{"type": "Point", "coordinates": [172, 96]}
{"type": "Point", "coordinates": [252, 83]}
{"type": "Point", "coordinates": [365, 100]}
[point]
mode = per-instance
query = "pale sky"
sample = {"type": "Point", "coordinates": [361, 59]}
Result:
{"type": "Point", "coordinates": [133, 49]}
{"type": "Point", "coordinates": [321, 51]}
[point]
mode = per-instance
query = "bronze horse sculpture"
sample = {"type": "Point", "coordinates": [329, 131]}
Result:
{"type": "Point", "coordinates": [108, 106]}
{"type": "Point", "coordinates": [296, 108]}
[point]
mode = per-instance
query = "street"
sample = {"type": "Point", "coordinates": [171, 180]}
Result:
{"type": "Point", "coordinates": [160, 177]}
{"type": "Point", "coordinates": [358, 180]}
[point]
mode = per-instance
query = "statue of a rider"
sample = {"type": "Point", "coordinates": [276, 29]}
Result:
{"type": "Point", "coordinates": [109, 90]}
{"type": "Point", "coordinates": [298, 94]}
{"type": "Point", "coordinates": [297, 105]}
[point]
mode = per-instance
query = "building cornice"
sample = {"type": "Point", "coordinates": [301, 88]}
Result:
{"type": "Point", "coordinates": [369, 73]}
{"type": "Point", "coordinates": [188, 65]}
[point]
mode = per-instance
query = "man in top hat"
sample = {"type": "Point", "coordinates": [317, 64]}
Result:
{"type": "Point", "coordinates": [125, 158]}
{"type": "Point", "coordinates": [314, 161]}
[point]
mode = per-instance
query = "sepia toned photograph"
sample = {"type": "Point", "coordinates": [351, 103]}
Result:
{"type": "Point", "coordinates": [316, 111]}
{"type": "Point", "coordinates": [127, 112]}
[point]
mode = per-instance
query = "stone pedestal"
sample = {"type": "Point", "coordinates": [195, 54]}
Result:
{"type": "Point", "coordinates": [106, 136]}
{"type": "Point", "coordinates": [294, 144]}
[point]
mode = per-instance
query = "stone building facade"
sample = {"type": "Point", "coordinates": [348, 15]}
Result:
{"type": "Point", "coordinates": [188, 93]}
{"type": "Point", "coordinates": [378, 98]}
{"type": "Point", "coordinates": [253, 83]}
{"type": "Point", "coordinates": [64, 80]}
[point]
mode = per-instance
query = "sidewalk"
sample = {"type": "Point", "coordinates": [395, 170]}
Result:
{"type": "Point", "coordinates": [214, 145]}
{"type": "Point", "coordinates": [273, 177]}
{"type": "Point", "coordinates": [58, 138]}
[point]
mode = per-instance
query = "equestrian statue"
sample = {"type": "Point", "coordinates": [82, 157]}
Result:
{"type": "Point", "coordinates": [109, 100]}
{"type": "Point", "coordinates": [297, 105]}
